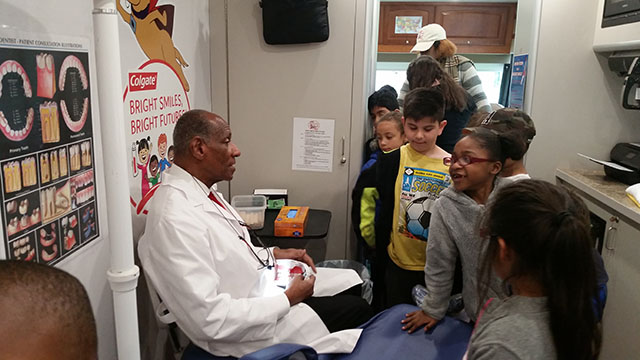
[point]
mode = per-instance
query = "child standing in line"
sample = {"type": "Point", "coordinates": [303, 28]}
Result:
{"type": "Point", "coordinates": [540, 246]}
{"type": "Point", "coordinates": [381, 102]}
{"type": "Point", "coordinates": [474, 166]}
{"type": "Point", "coordinates": [412, 176]}
{"type": "Point", "coordinates": [517, 122]}
{"type": "Point", "coordinates": [390, 136]}
{"type": "Point", "coordinates": [427, 72]}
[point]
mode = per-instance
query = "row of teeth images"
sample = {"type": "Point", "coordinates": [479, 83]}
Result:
{"type": "Point", "coordinates": [80, 155]}
{"type": "Point", "coordinates": [53, 165]}
{"type": "Point", "coordinates": [10, 67]}
{"type": "Point", "coordinates": [22, 249]}
{"type": "Point", "coordinates": [13, 180]}
{"type": "Point", "coordinates": [74, 63]}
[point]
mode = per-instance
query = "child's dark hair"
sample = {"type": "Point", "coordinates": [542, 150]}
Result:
{"type": "Point", "coordinates": [394, 117]}
{"type": "Point", "coordinates": [425, 70]}
{"type": "Point", "coordinates": [422, 102]}
{"type": "Point", "coordinates": [143, 143]}
{"type": "Point", "coordinates": [385, 97]}
{"type": "Point", "coordinates": [499, 146]}
{"type": "Point", "coordinates": [547, 227]}
{"type": "Point", "coordinates": [153, 158]}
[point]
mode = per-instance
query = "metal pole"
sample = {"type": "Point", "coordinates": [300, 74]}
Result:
{"type": "Point", "coordinates": [123, 274]}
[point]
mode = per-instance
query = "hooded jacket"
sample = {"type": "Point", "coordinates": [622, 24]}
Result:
{"type": "Point", "coordinates": [453, 230]}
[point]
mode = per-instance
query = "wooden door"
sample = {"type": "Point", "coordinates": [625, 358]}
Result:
{"type": "Point", "coordinates": [478, 28]}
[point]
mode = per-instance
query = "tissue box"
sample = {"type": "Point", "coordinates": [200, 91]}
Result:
{"type": "Point", "coordinates": [276, 198]}
{"type": "Point", "coordinates": [291, 221]}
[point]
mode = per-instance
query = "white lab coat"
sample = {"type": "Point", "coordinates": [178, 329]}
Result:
{"type": "Point", "coordinates": [209, 279]}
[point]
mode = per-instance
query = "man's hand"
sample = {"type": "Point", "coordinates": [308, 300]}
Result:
{"type": "Point", "coordinates": [416, 320]}
{"type": "Point", "coordinates": [300, 289]}
{"type": "Point", "coordinates": [295, 254]}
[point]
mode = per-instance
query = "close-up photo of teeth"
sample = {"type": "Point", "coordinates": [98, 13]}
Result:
{"type": "Point", "coordinates": [83, 188]}
{"type": "Point", "coordinates": [50, 122]}
{"type": "Point", "coordinates": [46, 75]}
{"type": "Point", "coordinates": [22, 249]}
{"type": "Point", "coordinates": [16, 115]}
{"type": "Point", "coordinates": [73, 83]}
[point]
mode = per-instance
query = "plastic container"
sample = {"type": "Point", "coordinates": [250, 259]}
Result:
{"type": "Point", "coordinates": [251, 208]}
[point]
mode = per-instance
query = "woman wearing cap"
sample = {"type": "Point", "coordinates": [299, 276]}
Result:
{"type": "Point", "coordinates": [432, 40]}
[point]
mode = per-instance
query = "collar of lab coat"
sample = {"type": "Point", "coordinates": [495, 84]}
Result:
{"type": "Point", "coordinates": [196, 192]}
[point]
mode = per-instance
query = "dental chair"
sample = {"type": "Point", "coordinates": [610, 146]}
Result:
{"type": "Point", "coordinates": [382, 338]}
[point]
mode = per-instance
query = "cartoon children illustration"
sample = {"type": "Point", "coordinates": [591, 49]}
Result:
{"type": "Point", "coordinates": [154, 177]}
{"type": "Point", "coordinates": [144, 146]}
{"type": "Point", "coordinates": [162, 151]}
{"type": "Point", "coordinates": [170, 154]}
{"type": "Point", "coordinates": [153, 26]}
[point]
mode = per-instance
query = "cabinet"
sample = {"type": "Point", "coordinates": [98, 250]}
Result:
{"type": "Point", "coordinates": [473, 27]}
{"type": "Point", "coordinates": [621, 255]}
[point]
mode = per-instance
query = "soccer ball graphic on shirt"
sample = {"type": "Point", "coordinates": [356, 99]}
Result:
{"type": "Point", "coordinates": [417, 217]}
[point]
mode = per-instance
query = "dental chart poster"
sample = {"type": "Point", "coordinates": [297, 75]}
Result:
{"type": "Point", "coordinates": [46, 147]}
{"type": "Point", "coordinates": [312, 144]}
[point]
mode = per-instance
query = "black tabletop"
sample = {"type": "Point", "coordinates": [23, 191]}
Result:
{"type": "Point", "coordinates": [317, 224]}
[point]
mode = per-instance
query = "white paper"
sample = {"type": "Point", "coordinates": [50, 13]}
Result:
{"type": "Point", "coordinates": [331, 281]}
{"type": "Point", "coordinates": [312, 144]}
{"type": "Point", "coordinates": [340, 342]}
{"type": "Point", "coordinates": [607, 163]}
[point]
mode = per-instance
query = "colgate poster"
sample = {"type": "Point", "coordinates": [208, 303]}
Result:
{"type": "Point", "coordinates": [49, 208]}
{"type": "Point", "coordinates": [153, 101]}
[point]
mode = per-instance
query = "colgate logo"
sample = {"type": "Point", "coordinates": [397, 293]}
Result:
{"type": "Point", "coordinates": [143, 81]}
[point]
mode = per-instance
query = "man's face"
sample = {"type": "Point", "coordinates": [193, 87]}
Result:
{"type": "Point", "coordinates": [221, 153]}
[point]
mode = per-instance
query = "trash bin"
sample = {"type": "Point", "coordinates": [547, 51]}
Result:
{"type": "Point", "coordinates": [367, 284]}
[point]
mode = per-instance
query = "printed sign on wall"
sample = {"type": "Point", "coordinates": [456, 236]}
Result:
{"type": "Point", "coordinates": [518, 81]}
{"type": "Point", "coordinates": [46, 148]}
{"type": "Point", "coordinates": [156, 94]}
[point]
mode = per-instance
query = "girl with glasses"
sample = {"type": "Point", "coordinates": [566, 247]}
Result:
{"type": "Point", "coordinates": [474, 166]}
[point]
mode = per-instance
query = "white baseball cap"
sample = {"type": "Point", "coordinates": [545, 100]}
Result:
{"type": "Point", "coordinates": [427, 36]}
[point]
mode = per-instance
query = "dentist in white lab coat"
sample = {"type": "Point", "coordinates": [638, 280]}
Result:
{"type": "Point", "coordinates": [201, 261]}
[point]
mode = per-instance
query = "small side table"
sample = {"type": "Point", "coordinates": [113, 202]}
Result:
{"type": "Point", "coordinates": [315, 233]}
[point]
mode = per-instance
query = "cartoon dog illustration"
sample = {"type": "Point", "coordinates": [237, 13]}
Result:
{"type": "Point", "coordinates": [153, 26]}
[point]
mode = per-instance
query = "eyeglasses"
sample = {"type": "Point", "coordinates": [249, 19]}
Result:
{"type": "Point", "coordinates": [463, 160]}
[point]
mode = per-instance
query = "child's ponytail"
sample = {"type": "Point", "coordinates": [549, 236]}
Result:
{"type": "Point", "coordinates": [569, 280]}
{"type": "Point", "coordinates": [547, 227]}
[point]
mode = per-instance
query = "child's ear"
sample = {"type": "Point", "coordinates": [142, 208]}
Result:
{"type": "Point", "coordinates": [505, 253]}
{"type": "Point", "coordinates": [496, 167]}
{"type": "Point", "coordinates": [441, 127]}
